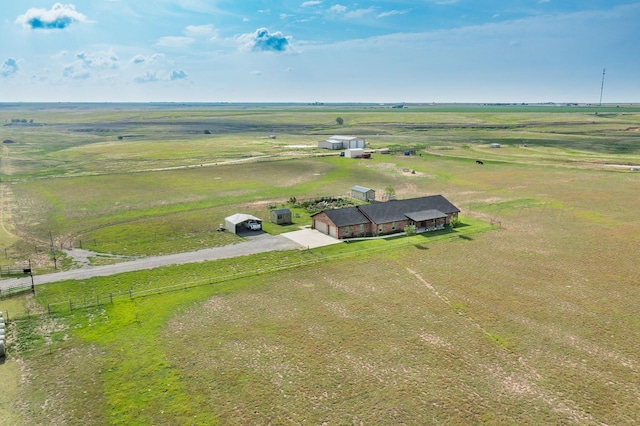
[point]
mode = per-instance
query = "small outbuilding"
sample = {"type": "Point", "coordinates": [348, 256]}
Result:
{"type": "Point", "coordinates": [354, 153]}
{"type": "Point", "coordinates": [237, 222]}
{"type": "Point", "coordinates": [495, 145]}
{"type": "Point", "coordinates": [281, 216]}
{"type": "Point", "coordinates": [363, 194]}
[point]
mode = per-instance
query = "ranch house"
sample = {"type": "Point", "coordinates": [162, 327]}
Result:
{"type": "Point", "coordinates": [426, 213]}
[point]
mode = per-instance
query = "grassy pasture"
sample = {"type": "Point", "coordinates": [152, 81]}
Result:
{"type": "Point", "coordinates": [532, 323]}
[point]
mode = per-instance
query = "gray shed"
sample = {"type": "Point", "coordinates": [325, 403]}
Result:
{"type": "Point", "coordinates": [281, 216]}
{"type": "Point", "coordinates": [363, 194]}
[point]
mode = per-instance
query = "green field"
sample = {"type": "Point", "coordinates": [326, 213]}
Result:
{"type": "Point", "coordinates": [531, 321]}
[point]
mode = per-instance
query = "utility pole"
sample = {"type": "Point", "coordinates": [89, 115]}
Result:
{"type": "Point", "coordinates": [30, 272]}
{"type": "Point", "coordinates": [602, 86]}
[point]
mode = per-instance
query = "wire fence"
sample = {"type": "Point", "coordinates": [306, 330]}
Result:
{"type": "Point", "coordinates": [14, 290]}
{"type": "Point", "coordinates": [101, 299]}
{"type": "Point", "coordinates": [68, 306]}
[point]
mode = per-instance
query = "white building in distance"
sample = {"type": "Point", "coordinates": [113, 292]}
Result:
{"type": "Point", "coordinates": [342, 142]}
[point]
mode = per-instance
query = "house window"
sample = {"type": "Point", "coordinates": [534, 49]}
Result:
{"type": "Point", "coordinates": [379, 228]}
{"type": "Point", "coordinates": [393, 225]}
{"type": "Point", "coordinates": [279, 216]}
{"type": "Point", "coordinates": [346, 229]}
{"type": "Point", "coordinates": [362, 227]}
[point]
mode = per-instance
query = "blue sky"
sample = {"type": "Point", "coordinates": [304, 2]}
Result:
{"type": "Point", "coordinates": [319, 50]}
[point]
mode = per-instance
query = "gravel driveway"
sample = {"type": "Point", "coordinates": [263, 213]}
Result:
{"type": "Point", "coordinates": [258, 244]}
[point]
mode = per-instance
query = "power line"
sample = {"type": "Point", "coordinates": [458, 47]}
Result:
{"type": "Point", "coordinates": [602, 85]}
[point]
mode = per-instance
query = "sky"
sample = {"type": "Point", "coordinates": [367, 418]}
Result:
{"type": "Point", "coordinates": [480, 51]}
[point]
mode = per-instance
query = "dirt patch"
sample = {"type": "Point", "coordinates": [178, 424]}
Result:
{"type": "Point", "coordinates": [394, 168]}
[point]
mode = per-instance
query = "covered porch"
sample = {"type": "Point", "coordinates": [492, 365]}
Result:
{"type": "Point", "coordinates": [428, 220]}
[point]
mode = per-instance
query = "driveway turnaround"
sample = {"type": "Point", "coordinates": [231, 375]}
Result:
{"type": "Point", "coordinates": [310, 238]}
{"type": "Point", "coordinates": [258, 244]}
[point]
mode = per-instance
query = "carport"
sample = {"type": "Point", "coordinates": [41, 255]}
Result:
{"type": "Point", "coordinates": [231, 223]}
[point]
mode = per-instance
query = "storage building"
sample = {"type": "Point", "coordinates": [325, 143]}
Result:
{"type": "Point", "coordinates": [281, 216]}
{"type": "Point", "coordinates": [363, 194]}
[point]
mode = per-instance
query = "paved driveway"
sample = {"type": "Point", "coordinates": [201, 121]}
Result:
{"type": "Point", "coordinates": [260, 243]}
{"type": "Point", "coordinates": [257, 244]}
{"type": "Point", "coordinates": [310, 238]}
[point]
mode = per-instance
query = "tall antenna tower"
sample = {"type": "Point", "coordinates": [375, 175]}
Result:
{"type": "Point", "coordinates": [602, 85]}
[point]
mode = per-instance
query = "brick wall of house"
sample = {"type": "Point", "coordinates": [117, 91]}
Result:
{"type": "Point", "coordinates": [354, 231]}
{"type": "Point", "coordinates": [388, 228]}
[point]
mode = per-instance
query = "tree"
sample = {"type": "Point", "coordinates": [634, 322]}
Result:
{"type": "Point", "coordinates": [340, 121]}
{"type": "Point", "coordinates": [410, 230]}
{"type": "Point", "coordinates": [390, 193]}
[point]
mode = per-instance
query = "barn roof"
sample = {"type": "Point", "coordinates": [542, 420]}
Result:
{"type": "Point", "coordinates": [359, 188]}
{"type": "Point", "coordinates": [281, 211]}
{"type": "Point", "coordinates": [342, 138]}
{"type": "Point", "coordinates": [392, 211]}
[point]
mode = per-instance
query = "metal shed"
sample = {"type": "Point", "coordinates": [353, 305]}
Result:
{"type": "Point", "coordinates": [342, 142]}
{"type": "Point", "coordinates": [363, 194]}
{"type": "Point", "coordinates": [231, 223]}
{"type": "Point", "coordinates": [281, 216]}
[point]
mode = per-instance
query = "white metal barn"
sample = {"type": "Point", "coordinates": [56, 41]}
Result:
{"type": "Point", "coordinates": [236, 222]}
{"type": "Point", "coordinates": [342, 142]}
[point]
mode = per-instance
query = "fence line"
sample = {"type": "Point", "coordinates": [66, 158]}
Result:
{"type": "Point", "coordinates": [14, 290]}
{"type": "Point", "coordinates": [66, 307]}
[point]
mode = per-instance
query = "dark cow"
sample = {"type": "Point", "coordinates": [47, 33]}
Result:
{"type": "Point", "coordinates": [479, 162]}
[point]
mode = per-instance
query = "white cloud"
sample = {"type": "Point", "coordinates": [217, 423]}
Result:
{"type": "Point", "coordinates": [59, 17]}
{"type": "Point", "coordinates": [148, 77]}
{"type": "Point", "coordinates": [141, 59]}
{"type": "Point", "coordinates": [311, 3]}
{"type": "Point", "coordinates": [84, 64]}
{"type": "Point", "coordinates": [359, 13]}
{"type": "Point", "coordinates": [155, 76]}
{"type": "Point", "coordinates": [175, 42]}
{"type": "Point", "coordinates": [9, 68]}
{"type": "Point", "coordinates": [264, 41]}
{"type": "Point", "coordinates": [177, 75]}
{"type": "Point", "coordinates": [201, 31]}
{"type": "Point", "coordinates": [338, 8]}
{"type": "Point", "coordinates": [392, 13]}
{"type": "Point", "coordinates": [352, 14]}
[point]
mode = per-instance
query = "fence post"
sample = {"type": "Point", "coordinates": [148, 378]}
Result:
{"type": "Point", "coordinates": [111, 297]}
{"type": "Point", "coordinates": [70, 306]}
